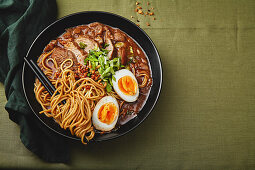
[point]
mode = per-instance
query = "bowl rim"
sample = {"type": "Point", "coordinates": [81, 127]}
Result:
{"type": "Point", "coordinates": [130, 22]}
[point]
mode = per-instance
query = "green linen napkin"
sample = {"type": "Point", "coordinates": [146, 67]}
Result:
{"type": "Point", "coordinates": [20, 22]}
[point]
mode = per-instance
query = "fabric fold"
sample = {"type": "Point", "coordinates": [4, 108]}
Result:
{"type": "Point", "coordinates": [20, 23]}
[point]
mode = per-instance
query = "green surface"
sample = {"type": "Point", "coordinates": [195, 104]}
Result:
{"type": "Point", "coordinates": [205, 115]}
{"type": "Point", "coordinates": [20, 23]}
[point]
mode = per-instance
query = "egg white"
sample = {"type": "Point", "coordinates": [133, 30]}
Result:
{"type": "Point", "coordinates": [96, 122]}
{"type": "Point", "coordinates": [119, 74]}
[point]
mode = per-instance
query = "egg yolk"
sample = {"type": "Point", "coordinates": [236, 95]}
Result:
{"type": "Point", "coordinates": [107, 113]}
{"type": "Point", "coordinates": [127, 85]}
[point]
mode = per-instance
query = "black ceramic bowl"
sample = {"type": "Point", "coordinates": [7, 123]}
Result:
{"type": "Point", "coordinates": [57, 28]}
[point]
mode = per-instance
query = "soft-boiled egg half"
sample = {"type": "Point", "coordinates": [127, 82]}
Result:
{"type": "Point", "coordinates": [106, 113]}
{"type": "Point", "coordinates": [126, 85]}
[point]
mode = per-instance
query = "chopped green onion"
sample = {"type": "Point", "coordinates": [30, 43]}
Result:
{"type": "Point", "coordinates": [105, 72]}
{"type": "Point", "coordinates": [113, 78]}
{"type": "Point", "coordinates": [112, 71]}
{"type": "Point", "coordinates": [115, 59]}
{"type": "Point", "coordinates": [110, 81]}
{"type": "Point", "coordinates": [100, 70]}
{"type": "Point", "coordinates": [108, 87]}
{"type": "Point", "coordinates": [131, 49]}
{"type": "Point", "coordinates": [119, 44]}
{"type": "Point", "coordinates": [106, 45]}
{"type": "Point", "coordinates": [89, 74]}
{"type": "Point", "coordinates": [82, 45]}
{"type": "Point", "coordinates": [127, 67]}
{"type": "Point", "coordinates": [101, 61]}
{"type": "Point", "coordinates": [111, 63]}
{"type": "Point", "coordinates": [129, 112]}
{"type": "Point", "coordinates": [118, 63]}
{"type": "Point", "coordinates": [90, 58]}
{"type": "Point", "coordinates": [108, 74]}
{"type": "Point", "coordinates": [105, 51]}
{"type": "Point", "coordinates": [93, 64]}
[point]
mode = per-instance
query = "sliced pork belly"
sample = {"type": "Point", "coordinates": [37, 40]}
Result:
{"type": "Point", "coordinates": [110, 47]}
{"type": "Point", "coordinates": [77, 52]}
{"type": "Point", "coordinates": [90, 44]}
{"type": "Point", "coordinates": [61, 54]}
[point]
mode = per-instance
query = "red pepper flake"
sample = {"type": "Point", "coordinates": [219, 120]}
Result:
{"type": "Point", "coordinates": [152, 13]}
{"type": "Point", "coordinates": [140, 12]}
{"type": "Point", "coordinates": [138, 25]}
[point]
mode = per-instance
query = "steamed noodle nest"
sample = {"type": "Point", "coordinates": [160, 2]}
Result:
{"type": "Point", "coordinates": [80, 96]}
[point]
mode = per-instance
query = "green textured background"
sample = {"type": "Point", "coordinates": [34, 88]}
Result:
{"type": "Point", "coordinates": [205, 115]}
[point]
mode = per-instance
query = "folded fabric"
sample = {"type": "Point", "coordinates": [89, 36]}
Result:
{"type": "Point", "coordinates": [20, 23]}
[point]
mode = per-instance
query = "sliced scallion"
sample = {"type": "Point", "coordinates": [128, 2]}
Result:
{"type": "Point", "coordinates": [82, 45]}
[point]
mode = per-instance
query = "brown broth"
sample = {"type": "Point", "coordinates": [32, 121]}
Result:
{"type": "Point", "coordinates": [98, 34]}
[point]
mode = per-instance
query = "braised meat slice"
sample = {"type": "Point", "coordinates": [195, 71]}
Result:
{"type": "Point", "coordinates": [79, 53]}
{"type": "Point", "coordinates": [107, 33]}
{"type": "Point", "coordinates": [97, 27]}
{"type": "Point", "coordinates": [122, 53]}
{"type": "Point", "coordinates": [61, 54]}
{"type": "Point", "coordinates": [108, 41]}
{"type": "Point", "coordinates": [99, 40]}
{"type": "Point", "coordinates": [110, 47]}
{"type": "Point", "coordinates": [50, 46]}
{"type": "Point", "coordinates": [119, 37]}
{"type": "Point", "coordinates": [86, 43]}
